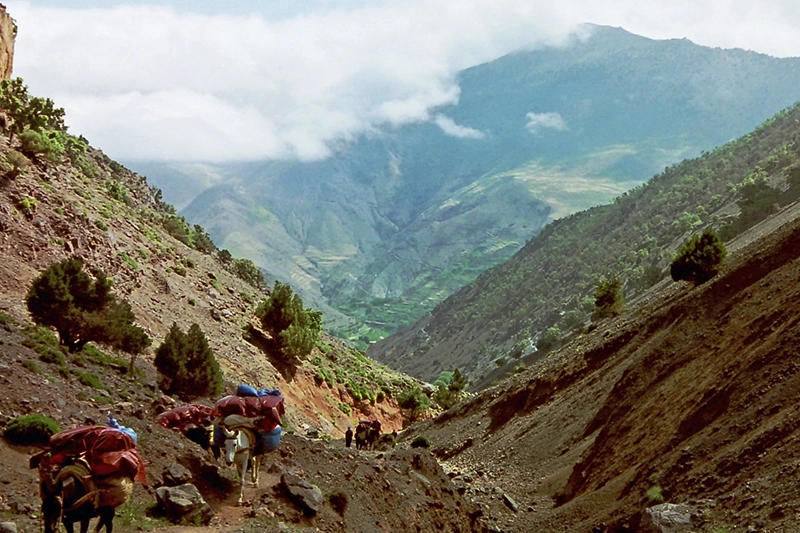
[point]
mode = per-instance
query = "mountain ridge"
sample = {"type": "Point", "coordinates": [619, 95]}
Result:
{"type": "Point", "coordinates": [590, 112]}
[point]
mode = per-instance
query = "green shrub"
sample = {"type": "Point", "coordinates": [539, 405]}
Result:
{"type": "Point", "coordinates": [90, 380]}
{"type": "Point", "coordinates": [27, 205]}
{"type": "Point", "coordinates": [129, 260]}
{"type": "Point", "coordinates": [31, 429]}
{"type": "Point", "coordinates": [83, 309]}
{"type": "Point", "coordinates": [44, 342]}
{"type": "Point", "coordinates": [294, 328]}
{"type": "Point", "coordinates": [6, 319]}
{"type": "Point", "coordinates": [608, 299]}
{"type": "Point", "coordinates": [343, 407]}
{"type": "Point", "coordinates": [32, 365]}
{"type": "Point", "coordinates": [88, 169]}
{"type": "Point", "coordinates": [16, 162]}
{"type": "Point", "coordinates": [45, 143]}
{"type": "Point", "coordinates": [247, 271]}
{"type": "Point", "coordinates": [186, 364]}
{"type": "Point", "coordinates": [420, 442]}
{"type": "Point", "coordinates": [102, 226]}
{"type": "Point", "coordinates": [698, 258]}
{"type": "Point", "coordinates": [414, 401]}
{"type": "Point", "coordinates": [179, 270]}
{"type": "Point", "coordinates": [654, 495]}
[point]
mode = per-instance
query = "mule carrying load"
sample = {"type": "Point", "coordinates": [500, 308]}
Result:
{"type": "Point", "coordinates": [246, 426]}
{"type": "Point", "coordinates": [85, 472]}
{"type": "Point", "coordinates": [193, 421]}
{"type": "Point", "coordinates": [260, 410]}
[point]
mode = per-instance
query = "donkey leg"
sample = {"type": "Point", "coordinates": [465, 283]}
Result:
{"type": "Point", "coordinates": [256, 467]}
{"type": "Point", "coordinates": [241, 468]}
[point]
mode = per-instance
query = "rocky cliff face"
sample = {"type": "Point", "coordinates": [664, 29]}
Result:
{"type": "Point", "coordinates": [8, 34]}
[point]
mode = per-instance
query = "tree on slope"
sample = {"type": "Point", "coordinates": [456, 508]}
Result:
{"type": "Point", "coordinates": [608, 298]}
{"type": "Point", "coordinates": [82, 308]}
{"type": "Point", "coordinates": [294, 328]}
{"type": "Point", "coordinates": [698, 258]}
{"type": "Point", "coordinates": [186, 364]}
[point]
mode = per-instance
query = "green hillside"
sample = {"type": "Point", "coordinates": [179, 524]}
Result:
{"type": "Point", "coordinates": [550, 282]}
{"type": "Point", "coordinates": [398, 220]}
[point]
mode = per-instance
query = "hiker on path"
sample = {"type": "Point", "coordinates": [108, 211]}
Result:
{"type": "Point", "coordinates": [348, 437]}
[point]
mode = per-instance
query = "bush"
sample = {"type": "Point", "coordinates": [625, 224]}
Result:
{"type": "Point", "coordinates": [82, 308]}
{"type": "Point", "coordinates": [608, 299]}
{"type": "Point", "coordinates": [46, 143]}
{"type": "Point", "coordinates": [293, 327]}
{"type": "Point", "coordinates": [42, 341]}
{"type": "Point", "coordinates": [420, 442]}
{"type": "Point", "coordinates": [31, 429]}
{"type": "Point", "coordinates": [247, 271]}
{"type": "Point", "coordinates": [654, 495]}
{"type": "Point", "coordinates": [102, 226]}
{"type": "Point", "coordinates": [698, 259]}
{"type": "Point", "coordinates": [415, 402]}
{"type": "Point", "coordinates": [186, 364]}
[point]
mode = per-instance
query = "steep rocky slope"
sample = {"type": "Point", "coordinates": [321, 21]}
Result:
{"type": "Point", "coordinates": [691, 394]}
{"type": "Point", "coordinates": [54, 210]}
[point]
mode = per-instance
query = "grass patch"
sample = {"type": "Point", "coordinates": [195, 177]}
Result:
{"type": "Point", "coordinates": [7, 319]}
{"type": "Point", "coordinates": [129, 260]}
{"type": "Point", "coordinates": [32, 365]}
{"type": "Point", "coordinates": [44, 342]}
{"type": "Point", "coordinates": [31, 429]}
{"type": "Point", "coordinates": [90, 379]}
{"type": "Point", "coordinates": [655, 495]}
{"type": "Point", "coordinates": [102, 226]}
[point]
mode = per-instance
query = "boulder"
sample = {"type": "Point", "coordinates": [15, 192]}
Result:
{"type": "Point", "coordinates": [176, 474]}
{"type": "Point", "coordinates": [8, 527]}
{"type": "Point", "coordinates": [669, 518]}
{"type": "Point", "coordinates": [302, 493]}
{"type": "Point", "coordinates": [184, 505]}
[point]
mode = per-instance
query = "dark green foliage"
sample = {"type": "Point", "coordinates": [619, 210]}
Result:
{"type": "Point", "coordinates": [225, 256]}
{"type": "Point", "coordinates": [698, 259]}
{"type": "Point", "coordinates": [90, 379]}
{"type": "Point", "coordinates": [608, 298]}
{"type": "Point", "coordinates": [758, 199]}
{"type": "Point", "coordinates": [26, 112]}
{"type": "Point", "coordinates": [31, 429]}
{"type": "Point", "coordinates": [294, 328]}
{"type": "Point", "coordinates": [177, 226]}
{"type": "Point", "coordinates": [42, 341]}
{"type": "Point", "coordinates": [202, 241]}
{"type": "Point", "coordinates": [246, 270]}
{"type": "Point", "coordinates": [45, 143]}
{"type": "Point", "coordinates": [32, 365]}
{"type": "Point", "coordinates": [549, 339]}
{"type": "Point", "coordinates": [118, 192]}
{"type": "Point", "coordinates": [420, 442]}
{"type": "Point", "coordinates": [414, 401]}
{"type": "Point", "coordinates": [83, 309]}
{"type": "Point", "coordinates": [449, 387]}
{"type": "Point", "coordinates": [186, 364]}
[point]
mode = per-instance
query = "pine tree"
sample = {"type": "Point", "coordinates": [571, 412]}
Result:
{"type": "Point", "coordinates": [293, 327]}
{"type": "Point", "coordinates": [698, 258]}
{"type": "Point", "coordinates": [82, 308]}
{"type": "Point", "coordinates": [186, 364]}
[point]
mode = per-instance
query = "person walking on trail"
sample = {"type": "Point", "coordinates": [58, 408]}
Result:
{"type": "Point", "coordinates": [348, 437]}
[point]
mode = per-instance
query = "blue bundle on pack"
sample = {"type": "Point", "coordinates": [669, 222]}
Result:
{"type": "Point", "coordinates": [245, 390]}
{"type": "Point", "coordinates": [112, 423]}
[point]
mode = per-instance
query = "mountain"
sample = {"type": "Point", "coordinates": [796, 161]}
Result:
{"type": "Point", "coordinates": [689, 399]}
{"type": "Point", "coordinates": [495, 323]}
{"type": "Point", "coordinates": [398, 220]}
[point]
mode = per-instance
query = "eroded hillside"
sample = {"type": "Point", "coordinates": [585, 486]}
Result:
{"type": "Point", "coordinates": [690, 395]}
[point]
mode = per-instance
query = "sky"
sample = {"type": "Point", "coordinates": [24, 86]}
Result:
{"type": "Point", "coordinates": [216, 81]}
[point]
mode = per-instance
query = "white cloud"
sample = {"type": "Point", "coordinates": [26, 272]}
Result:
{"type": "Point", "coordinates": [145, 81]}
{"type": "Point", "coordinates": [545, 121]}
{"type": "Point", "coordinates": [448, 126]}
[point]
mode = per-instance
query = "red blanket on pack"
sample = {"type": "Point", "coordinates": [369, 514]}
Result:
{"type": "Point", "coordinates": [268, 408]}
{"type": "Point", "coordinates": [180, 417]}
{"type": "Point", "coordinates": [107, 450]}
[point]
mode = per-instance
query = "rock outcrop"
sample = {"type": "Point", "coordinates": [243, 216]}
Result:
{"type": "Point", "coordinates": [8, 35]}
